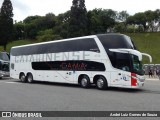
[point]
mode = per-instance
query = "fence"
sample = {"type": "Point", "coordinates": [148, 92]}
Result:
{"type": "Point", "coordinates": [152, 67]}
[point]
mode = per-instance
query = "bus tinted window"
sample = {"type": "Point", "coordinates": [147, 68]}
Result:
{"type": "Point", "coordinates": [116, 41]}
{"type": "Point", "coordinates": [87, 44]}
{"type": "Point", "coordinates": [4, 56]}
{"type": "Point", "coordinates": [121, 61]}
{"type": "Point", "coordinates": [69, 65]}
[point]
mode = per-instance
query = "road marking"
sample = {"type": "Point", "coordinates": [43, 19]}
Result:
{"type": "Point", "coordinates": [153, 79]}
{"type": "Point", "coordinates": [13, 82]}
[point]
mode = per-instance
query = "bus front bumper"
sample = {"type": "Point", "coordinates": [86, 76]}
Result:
{"type": "Point", "coordinates": [4, 74]}
{"type": "Point", "coordinates": [139, 84]}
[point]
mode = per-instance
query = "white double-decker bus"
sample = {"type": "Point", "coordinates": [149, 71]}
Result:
{"type": "Point", "coordinates": [104, 60]}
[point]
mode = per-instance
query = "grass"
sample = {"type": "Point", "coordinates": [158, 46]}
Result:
{"type": "Point", "coordinates": [145, 42]}
{"type": "Point", "coordinates": [148, 43]}
{"type": "Point", "coordinates": [17, 43]}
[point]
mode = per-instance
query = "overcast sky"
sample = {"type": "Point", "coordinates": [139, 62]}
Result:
{"type": "Point", "coordinates": [25, 8]}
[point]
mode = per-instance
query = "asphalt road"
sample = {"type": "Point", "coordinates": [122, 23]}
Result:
{"type": "Point", "coordinates": [17, 96]}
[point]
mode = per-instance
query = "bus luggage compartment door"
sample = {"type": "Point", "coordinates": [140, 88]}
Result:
{"type": "Point", "coordinates": [70, 76]}
{"type": "Point", "coordinates": [115, 78]}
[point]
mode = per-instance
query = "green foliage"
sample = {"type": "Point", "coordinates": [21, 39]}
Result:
{"type": "Point", "coordinates": [148, 43]}
{"type": "Point", "coordinates": [6, 23]}
{"type": "Point", "coordinates": [80, 22]}
{"type": "Point", "coordinates": [19, 32]}
{"type": "Point", "coordinates": [31, 19]}
{"type": "Point", "coordinates": [100, 20]}
{"type": "Point", "coordinates": [47, 35]}
{"type": "Point", "coordinates": [17, 43]}
{"type": "Point", "coordinates": [78, 19]}
{"type": "Point", "coordinates": [130, 28]}
{"type": "Point", "coordinates": [62, 24]}
{"type": "Point", "coordinates": [146, 19]}
{"type": "Point", "coordinates": [34, 24]}
{"type": "Point", "coordinates": [122, 16]}
{"type": "Point", "coordinates": [7, 9]}
{"type": "Point", "coordinates": [120, 27]}
{"type": "Point", "coordinates": [94, 22]}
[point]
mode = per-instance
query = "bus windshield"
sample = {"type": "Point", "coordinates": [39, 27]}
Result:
{"type": "Point", "coordinates": [137, 65]}
{"type": "Point", "coordinates": [126, 62]}
{"type": "Point", "coordinates": [4, 62]}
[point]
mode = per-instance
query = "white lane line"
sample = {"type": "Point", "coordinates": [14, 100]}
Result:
{"type": "Point", "coordinates": [13, 82]}
{"type": "Point", "coordinates": [153, 79]}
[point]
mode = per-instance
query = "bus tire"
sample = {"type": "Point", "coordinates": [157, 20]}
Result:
{"type": "Point", "coordinates": [101, 83]}
{"type": "Point", "coordinates": [30, 78]}
{"type": "Point", "coordinates": [85, 81]}
{"type": "Point", "coordinates": [23, 78]}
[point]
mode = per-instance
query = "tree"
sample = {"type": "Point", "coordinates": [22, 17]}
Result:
{"type": "Point", "coordinates": [78, 19]}
{"type": "Point", "coordinates": [94, 21]}
{"type": "Point", "coordinates": [62, 24]}
{"type": "Point", "coordinates": [157, 15]}
{"type": "Point", "coordinates": [47, 35]}
{"type": "Point", "coordinates": [100, 20]}
{"type": "Point", "coordinates": [34, 24]}
{"type": "Point", "coordinates": [31, 27]}
{"type": "Point", "coordinates": [138, 19]}
{"type": "Point", "coordinates": [122, 17]}
{"type": "Point", "coordinates": [19, 32]}
{"type": "Point", "coordinates": [6, 23]}
{"type": "Point", "coordinates": [108, 17]}
{"type": "Point", "coordinates": [150, 18]}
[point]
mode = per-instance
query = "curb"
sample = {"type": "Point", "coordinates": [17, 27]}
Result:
{"type": "Point", "coordinates": [152, 79]}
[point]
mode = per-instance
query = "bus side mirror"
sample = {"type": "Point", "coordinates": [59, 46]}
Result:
{"type": "Point", "coordinates": [150, 58]}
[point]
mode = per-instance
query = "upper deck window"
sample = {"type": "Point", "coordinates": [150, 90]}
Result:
{"type": "Point", "coordinates": [116, 41]}
{"type": "Point", "coordinates": [86, 44]}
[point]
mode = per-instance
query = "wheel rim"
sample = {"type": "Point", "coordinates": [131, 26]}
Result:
{"type": "Point", "coordinates": [100, 83]}
{"type": "Point", "coordinates": [84, 82]}
{"type": "Point", "coordinates": [22, 78]}
{"type": "Point", "coordinates": [29, 78]}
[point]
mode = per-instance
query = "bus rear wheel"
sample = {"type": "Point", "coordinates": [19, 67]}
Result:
{"type": "Point", "coordinates": [101, 83]}
{"type": "Point", "coordinates": [30, 78]}
{"type": "Point", "coordinates": [85, 81]}
{"type": "Point", "coordinates": [23, 78]}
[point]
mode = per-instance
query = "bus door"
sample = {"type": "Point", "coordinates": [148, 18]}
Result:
{"type": "Point", "coordinates": [14, 67]}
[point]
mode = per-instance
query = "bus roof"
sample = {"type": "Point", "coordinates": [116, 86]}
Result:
{"type": "Point", "coordinates": [76, 38]}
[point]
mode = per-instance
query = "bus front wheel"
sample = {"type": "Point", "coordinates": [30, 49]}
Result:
{"type": "Point", "coordinates": [101, 83]}
{"type": "Point", "coordinates": [85, 81]}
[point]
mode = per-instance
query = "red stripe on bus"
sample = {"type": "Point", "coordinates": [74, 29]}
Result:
{"type": "Point", "coordinates": [133, 79]}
